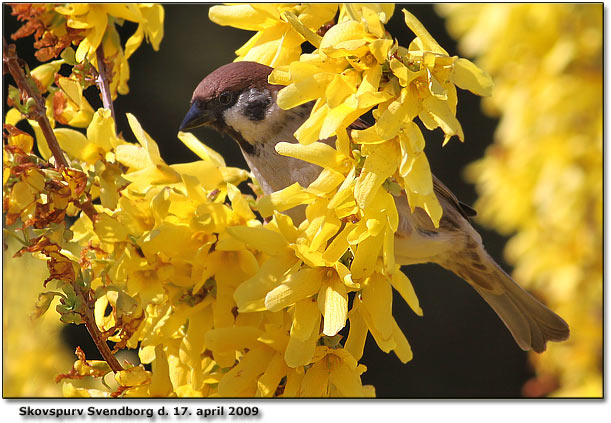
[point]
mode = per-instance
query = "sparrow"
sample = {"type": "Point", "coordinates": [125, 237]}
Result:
{"type": "Point", "coordinates": [237, 100]}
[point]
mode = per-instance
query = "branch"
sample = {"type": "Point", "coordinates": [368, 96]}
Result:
{"type": "Point", "coordinates": [99, 340]}
{"type": "Point", "coordinates": [38, 112]}
{"type": "Point", "coordinates": [87, 208]}
{"type": "Point", "coordinates": [102, 82]}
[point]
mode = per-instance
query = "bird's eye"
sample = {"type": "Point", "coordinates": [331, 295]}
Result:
{"type": "Point", "coordinates": [225, 98]}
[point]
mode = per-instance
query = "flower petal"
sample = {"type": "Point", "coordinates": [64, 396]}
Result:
{"type": "Point", "coordinates": [259, 238]}
{"type": "Point", "coordinates": [241, 16]}
{"type": "Point", "coordinates": [242, 379]}
{"type": "Point", "coordinates": [470, 77]}
{"type": "Point", "coordinates": [401, 110]}
{"type": "Point", "coordinates": [440, 112]}
{"type": "Point", "coordinates": [305, 318]}
{"type": "Point", "coordinates": [377, 299]}
{"type": "Point", "coordinates": [347, 381]}
{"type": "Point", "coordinates": [299, 352]}
{"type": "Point", "coordinates": [304, 90]}
{"type": "Point", "coordinates": [402, 284]}
{"type": "Point", "coordinates": [250, 295]}
{"type": "Point", "coordinates": [315, 382]}
{"type": "Point", "coordinates": [355, 344]}
{"type": "Point", "coordinates": [428, 42]}
{"type": "Point", "coordinates": [270, 379]}
{"type": "Point", "coordinates": [317, 153]}
{"type": "Point", "coordinates": [285, 199]}
{"type": "Point", "coordinates": [366, 256]}
{"type": "Point", "coordinates": [333, 303]}
{"type": "Point", "coordinates": [379, 165]}
{"type": "Point", "coordinates": [419, 178]}
{"type": "Point", "coordinates": [300, 285]}
{"type": "Point", "coordinates": [402, 349]}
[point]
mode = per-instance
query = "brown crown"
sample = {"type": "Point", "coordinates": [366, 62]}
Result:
{"type": "Point", "coordinates": [236, 76]}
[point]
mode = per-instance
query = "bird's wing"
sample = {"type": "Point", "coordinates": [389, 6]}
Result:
{"type": "Point", "coordinates": [359, 124]}
{"type": "Point", "coordinates": [441, 190]}
{"type": "Point", "coordinates": [531, 323]}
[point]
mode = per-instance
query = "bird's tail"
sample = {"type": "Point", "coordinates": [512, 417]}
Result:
{"type": "Point", "coordinates": [531, 323]}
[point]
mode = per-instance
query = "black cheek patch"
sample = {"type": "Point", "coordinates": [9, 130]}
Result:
{"type": "Point", "coordinates": [256, 107]}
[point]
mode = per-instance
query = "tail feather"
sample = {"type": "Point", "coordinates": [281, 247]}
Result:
{"type": "Point", "coordinates": [530, 322]}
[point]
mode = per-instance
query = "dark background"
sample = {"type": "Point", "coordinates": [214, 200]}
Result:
{"type": "Point", "coordinates": [461, 348]}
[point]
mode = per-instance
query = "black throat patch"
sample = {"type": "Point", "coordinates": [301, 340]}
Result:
{"type": "Point", "coordinates": [247, 148]}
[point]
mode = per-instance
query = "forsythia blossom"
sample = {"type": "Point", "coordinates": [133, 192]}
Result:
{"type": "Point", "coordinates": [542, 179]}
{"type": "Point", "coordinates": [89, 26]}
{"type": "Point", "coordinates": [357, 67]}
{"type": "Point", "coordinates": [276, 41]}
{"type": "Point", "coordinates": [172, 260]}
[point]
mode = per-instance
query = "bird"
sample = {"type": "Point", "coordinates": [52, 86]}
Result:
{"type": "Point", "coordinates": [237, 100]}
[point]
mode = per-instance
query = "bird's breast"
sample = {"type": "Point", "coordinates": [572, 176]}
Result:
{"type": "Point", "coordinates": [275, 172]}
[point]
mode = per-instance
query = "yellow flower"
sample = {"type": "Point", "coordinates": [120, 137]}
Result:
{"type": "Point", "coordinates": [541, 181]}
{"type": "Point", "coordinates": [357, 67]}
{"type": "Point", "coordinates": [334, 373]}
{"type": "Point", "coordinates": [276, 42]}
{"type": "Point", "coordinates": [65, 103]}
{"type": "Point", "coordinates": [175, 260]}
{"type": "Point", "coordinates": [45, 73]}
{"type": "Point", "coordinates": [70, 106]}
{"type": "Point", "coordinates": [358, 11]}
{"type": "Point", "coordinates": [97, 21]}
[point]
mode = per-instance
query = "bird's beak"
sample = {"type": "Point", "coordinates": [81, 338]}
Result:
{"type": "Point", "coordinates": [196, 116]}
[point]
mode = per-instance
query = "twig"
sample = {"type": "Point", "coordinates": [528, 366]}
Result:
{"type": "Point", "coordinates": [99, 340]}
{"type": "Point", "coordinates": [11, 60]}
{"type": "Point", "coordinates": [38, 113]}
{"type": "Point", "coordinates": [102, 82]}
{"type": "Point", "coordinates": [87, 208]}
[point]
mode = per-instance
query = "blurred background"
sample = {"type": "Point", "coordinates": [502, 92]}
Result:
{"type": "Point", "coordinates": [461, 349]}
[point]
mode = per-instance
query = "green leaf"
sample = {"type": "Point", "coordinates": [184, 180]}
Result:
{"type": "Point", "coordinates": [69, 316]}
{"type": "Point", "coordinates": [43, 302]}
{"type": "Point", "coordinates": [30, 104]}
{"type": "Point", "coordinates": [15, 95]}
{"type": "Point", "coordinates": [71, 306]}
{"type": "Point", "coordinates": [68, 56]}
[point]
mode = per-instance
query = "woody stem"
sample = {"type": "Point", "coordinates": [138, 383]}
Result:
{"type": "Point", "coordinates": [38, 112]}
{"type": "Point", "coordinates": [102, 82]}
{"type": "Point", "coordinates": [99, 340]}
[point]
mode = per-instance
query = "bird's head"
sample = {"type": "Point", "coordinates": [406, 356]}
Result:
{"type": "Point", "coordinates": [236, 99]}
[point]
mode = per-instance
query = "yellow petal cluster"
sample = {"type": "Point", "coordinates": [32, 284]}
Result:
{"type": "Point", "coordinates": [97, 21]}
{"type": "Point", "coordinates": [357, 67]}
{"type": "Point", "coordinates": [542, 180]}
{"type": "Point", "coordinates": [65, 103]}
{"type": "Point", "coordinates": [177, 262]}
{"type": "Point", "coordinates": [276, 42]}
{"type": "Point", "coordinates": [216, 302]}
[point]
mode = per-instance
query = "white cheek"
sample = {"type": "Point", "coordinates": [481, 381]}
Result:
{"type": "Point", "coordinates": [253, 131]}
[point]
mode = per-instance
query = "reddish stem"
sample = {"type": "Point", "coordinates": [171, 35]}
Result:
{"type": "Point", "coordinates": [38, 112]}
{"type": "Point", "coordinates": [99, 341]}
{"type": "Point", "coordinates": [102, 82]}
